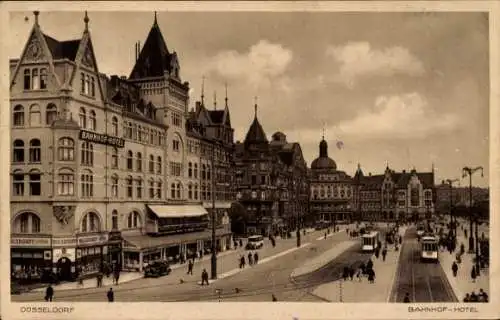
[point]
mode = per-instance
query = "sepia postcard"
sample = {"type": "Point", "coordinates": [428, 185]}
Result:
{"type": "Point", "coordinates": [250, 160]}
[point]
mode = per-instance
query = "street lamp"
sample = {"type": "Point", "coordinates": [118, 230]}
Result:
{"type": "Point", "coordinates": [468, 171]}
{"type": "Point", "coordinates": [214, 218]}
{"type": "Point", "coordinates": [453, 222]}
{"type": "Point", "coordinates": [297, 185]}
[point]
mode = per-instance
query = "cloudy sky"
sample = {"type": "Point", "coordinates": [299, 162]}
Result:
{"type": "Point", "coordinates": [409, 89]}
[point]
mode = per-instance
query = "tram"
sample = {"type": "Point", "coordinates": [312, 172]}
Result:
{"type": "Point", "coordinates": [429, 245]}
{"type": "Point", "coordinates": [420, 230]}
{"type": "Point", "coordinates": [370, 241]}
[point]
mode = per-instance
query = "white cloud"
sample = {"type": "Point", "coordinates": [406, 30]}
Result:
{"type": "Point", "coordinates": [259, 66]}
{"type": "Point", "coordinates": [404, 116]}
{"type": "Point", "coordinates": [359, 59]}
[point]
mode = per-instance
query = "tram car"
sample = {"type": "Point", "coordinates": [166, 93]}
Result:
{"type": "Point", "coordinates": [429, 245]}
{"type": "Point", "coordinates": [370, 241]}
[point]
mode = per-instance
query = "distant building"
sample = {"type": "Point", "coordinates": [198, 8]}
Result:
{"type": "Point", "coordinates": [461, 196]}
{"type": "Point", "coordinates": [394, 195]}
{"type": "Point", "coordinates": [271, 181]}
{"type": "Point", "coordinates": [330, 189]}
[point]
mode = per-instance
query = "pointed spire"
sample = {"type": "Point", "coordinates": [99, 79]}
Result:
{"type": "Point", "coordinates": [155, 23]}
{"type": "Point", "coordinates": [359, 166]}
{"type": "Point", "coordinates": [225, 99]}
{"type": "Point", "coordinates": [255, 106]}
{"type": "Point", "coordinates": [215, 100]}
{"type": "Point", "coordinates": [323, 136]}
{"type": "Point", "coordinates": [36, 13]}
{"type": "Point", "coordinates": [86, 21]}
{"type": "Point", "coordinates": [203, 90]}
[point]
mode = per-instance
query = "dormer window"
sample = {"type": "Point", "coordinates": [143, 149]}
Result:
{"type": "Point", "coordinates": [87, 85]}
{"type": "Point", "coordinates": [35, 79]}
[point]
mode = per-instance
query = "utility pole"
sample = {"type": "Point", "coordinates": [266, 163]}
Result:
{"type": "Point", "coordinates": [453, 222]}
{"type": "Point", "coordinates": [298, 185]}
{"type": "Point", "coordinates": [214, 217]}
{"type": "Point", "coordinates": [468, 171]}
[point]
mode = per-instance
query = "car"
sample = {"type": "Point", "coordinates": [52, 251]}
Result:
{"type": "Point", "coordinates": [157, 269]}
{"type": "Point", "coordinates": [255, 242]}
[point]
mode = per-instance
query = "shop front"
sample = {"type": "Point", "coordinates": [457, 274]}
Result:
{"type": "Point", "coordinates": [31, 258]}
{"type": "Point", "coordinates": [114, 257]}
{"type": "Point", "coordinates": [90, 253]}
{"type": "Point", "coordinates": [64, 257]}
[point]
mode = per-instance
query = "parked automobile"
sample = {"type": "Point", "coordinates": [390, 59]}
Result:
{"type": "Point", "coordinates": [255, 242]}
{"type": "Point", "coordinates": [157, 269]}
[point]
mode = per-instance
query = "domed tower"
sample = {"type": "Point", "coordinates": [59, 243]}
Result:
{"type": "Point", "coordinates": [323, 161]}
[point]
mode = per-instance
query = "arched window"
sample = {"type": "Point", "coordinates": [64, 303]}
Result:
{"type": "Point", "coordinates": [114, 126]}
{"type": "Point", "coordinates": [190, 170]}
{"type": "Point", "coordinates": [82, 118]}
{"type": "Point", "coordinates": [87, 183]}
{"type": "Point", "coordinates": [27, 222]}
{"type": "Point", "coordinates": [18, 183]}
{"type": "Point", "coordinates": [35, 183]}
{"type": "Point", "coordinates": [129, 187]}
{"type": "Point", "coordinates": [139, 162]}
{"type": "Point", "coordinates": [139, 188]}
{"type": "Point", "coordinates": [179, 191]}
{"type": "Point", "coordinates": [90, 223]}
{"type": "Point", "coordinates": [158, 165]}
{"type": "Point", "coordinates": [87, 84]}
{"type": "Point", "coordinates": [65, 182]}
{"type": "Point", "coordinates": [130, 160]}
{"type": "Point", "coordinates": [92, 120]}
{"type": "Point", "coordinates": [87, 154]}
{"type": "Point", "coordinates": [43, 78]}
{"type": "Point", "coordinates": [66, 149]}
{"type": "Point", "coordinates": [18, 155]}
{"type": "Point", "coordinates": [196, 171]}
{"type": "Point", "coordinates": [35, 115]}
{"type": "Point", "coordinates": [159, 187]}
{"type": "Point", "coordinates": [196, 192]}
{"type": "Point", "coordinates": [27, 79]}
{"type": "Point", "coordinates": [51, 114]}
{"type": "Point", "coordinates": [114, 158]}
{"type": "Point", "coordinates": [172, 190]}
{"type": "Point", "coordinates": [18, 116]}
{"type": "Point", "coordinates": [151, 164]}
{"type": "Point", "coordinates": [114, 186]}
{"type": "Point", "coordinates": [114, 220]}
{"type": "Point", "coordinates": [35, 151]}
{"type": "Point", "coordinates": [134, 220]}
{"type": "Point", "coordinates": [190, 192]}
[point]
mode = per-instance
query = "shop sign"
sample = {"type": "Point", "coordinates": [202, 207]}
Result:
{"type": "Point", "coordinates": [102, 139]}
{"type": "Point", "coordinates": [64, 242]}
{"type": "Point", "coordinates": [25, 242]}
{"type": "Point", "coordinates": [92, 240]}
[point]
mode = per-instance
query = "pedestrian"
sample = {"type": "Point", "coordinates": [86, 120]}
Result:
{"type": "Point", "coordinates": [483, 295]}
{"type": "Point", "coordinates": [241, 243]}
{"type": "Point", "coordinates": [407, 298]}
{"type": "Point", "coordinates": [117, 277]}
{"type": "Point", "coordinates": [465, 233]}
{"type": "Point", "coordinates": [111, 295]}
{"type": "Point", "coordinates": [384, 254]}
{"type": "Point", "coordinates": [204, 277]}
{"type": "Point", "coordinates": [190, 267]}
{"type": "Point", "coordinates": [250, 259]}
{"type": "Point", "coordinates": [256, 257]}
{"type": "Point", "coordinates": [467, 298]}
{"type": "Point", "coordinates": [325, 235]}
{"type": "Point", "coordinates": [473, 297]}
{"type": "Point", "coordinates": [242, 262]}
{"type": "Point", "coordinates": [99, 280]}
{"type": "Point", "coordinates": [360, 273]}
{"type": "Point", "coordinates": [201, 254]}
{"type": "Point", "coordinates": [371, 276]}
{"type": "Point", "coordinates": [49, 293]}
{"type": "Point", "coordinates": [473, 274]}
{"type": "Point", "coordinates": [274, 297]}
{"type": "Point", "coordinates": [462, 248]}
{"type": "Point", "coordinates": [369, 264]}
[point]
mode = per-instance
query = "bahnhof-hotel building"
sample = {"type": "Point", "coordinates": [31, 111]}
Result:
{"type": "Point", "coordinates": [99, 171]}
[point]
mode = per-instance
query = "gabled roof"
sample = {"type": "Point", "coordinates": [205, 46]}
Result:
{"type": "Point", "coordinates": [62, 49]}
{"type": "Point", "coordinates": [154, 58]}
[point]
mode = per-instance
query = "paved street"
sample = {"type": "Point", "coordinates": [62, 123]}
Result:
{"type": "Point", "coordinates": [256, 283]}
{"type": "Point", "coordinates": [425, 282]}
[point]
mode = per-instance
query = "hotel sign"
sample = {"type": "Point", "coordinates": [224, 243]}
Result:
{"type": "Point", "coordinates": [93, 240]}
{"type": "Point", "coordinates": [64, 242]}
{"type": "Point", "coordinates": [102, 139]}
{"type": "Point", "coordinates": [24, 242]}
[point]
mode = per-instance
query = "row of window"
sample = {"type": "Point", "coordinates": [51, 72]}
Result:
{"type": "Point", "coordinates": [140, 133]}
{"type": "Point", "coordinates": [35, 78]}
{"type": "Point", "coordinates": [90, 122]}
{"type": "Point", "coordinates": [29, 222]}
{"type": "Point", "coordinates": [34, 116]}
{"type": "Point", "coordinates": [34, 151]}
{"type": "Point", "coordinates": [154, 166]}
{"type": "Point", "coordinates": [87, 84]}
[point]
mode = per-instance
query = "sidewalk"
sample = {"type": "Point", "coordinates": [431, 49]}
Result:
{"type": "Point", "coordinates": [363, 291]}
{"type": "Point", "coordinates": [462, 284]}
{"type": "Point", "coordinates": [323, 259]}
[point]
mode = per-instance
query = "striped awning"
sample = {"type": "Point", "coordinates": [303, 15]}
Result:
{"type": "Point", "coordinates": [177, 211]}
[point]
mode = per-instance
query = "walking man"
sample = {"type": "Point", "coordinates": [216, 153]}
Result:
{"type": "Point", "coordinates": [49, 293]}
{"type": "Point", "coordinates": [454, 268]}
{"type": "Point", "coordinates": [190, 267]}
{"type": "Point", "coordinates": [242, 262]}
{"type": "Point", "coordinates": [204, 277]}
{"type": "Point", "coordinates": [111, 295]}
{"type": "Point", "coordinates": [250, 258]}
{"type": "Point", "coordinates": [384, 253]}
{"type": "Point", "coordinates": [256, 257]}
